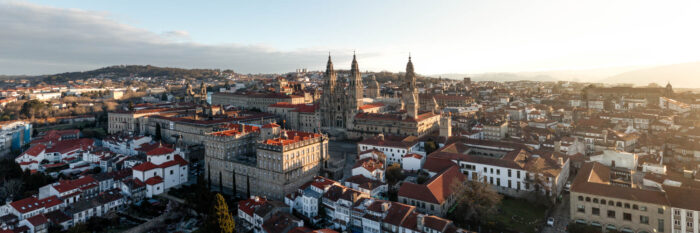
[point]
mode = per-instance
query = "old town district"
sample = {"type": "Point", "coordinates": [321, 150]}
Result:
{"type": "Point", "coordinates": [347, 151]}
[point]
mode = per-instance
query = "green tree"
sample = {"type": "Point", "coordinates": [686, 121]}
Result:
{"type": "Point", "coordinates": [158, 133]}
{"type": "Point", "coordinates": [430, 146]}
{"type": "Point", "coordinates": [219, 219]}
{"type": "Point", "coordinates": [394, 173]}
{"type": "Point", "coordinates": [475, 202]}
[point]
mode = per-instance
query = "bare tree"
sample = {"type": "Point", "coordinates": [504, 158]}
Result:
{"type": "Point", "coordinates": [11, 188]}
{"type": "Point", "coordinates": [475, 201]}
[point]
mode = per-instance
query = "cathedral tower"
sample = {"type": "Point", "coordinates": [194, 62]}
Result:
{"type": "Point", "coordinates": [355, 87]}
{"type": "Point", "coordinates": [410, 91]}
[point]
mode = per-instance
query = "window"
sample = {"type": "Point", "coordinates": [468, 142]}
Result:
{"type": "Point", "coordinates": [518, 174]}
{"type": "Point", "coordinates": [689, 224]}
{"type": "Point", "coordinates": [643, 219]}
{"type": "Point", "coordinates": [661, 211]}
{"type": "Point", "coordinates": [611, 214]}
{"type": "Point", "coordinates": [581, 209]}
{"type": "Point", "coordinates": [588, 199]}
{"type": "Point", "coordinates": [611, 203]}
{"type": "Point", "coordinates": [580, 198]}
{"type": "Point", "coordinates": [627, 205]}
{"type": "Point", "coordinates": [643, 208]}
{"type": "Point", "coordinates": [595, 211]}
{"type": "Point", "coordinates": [636, 207]}
{"type": "Point", "coordinates": [171, 172]}
{"type": "Point", "coordinates": [619, 204]}
{"type": "Point", "coordinates": [602, 201]}
{"type": "Point", "coordinates": [509, 171]}
{"type": "Point", "coordinates": [595, 200]}
{"type": "Point", "coordinates": [627, 216]}
{"type": "Point", "coordinates": [484, 169]}
{"type": "Point", "coordinates": [661, 224]}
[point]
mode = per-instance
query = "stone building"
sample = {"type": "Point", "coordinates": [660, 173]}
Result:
{"type": "Point", "coordinates": [373, 89]}
{"type": "Point", "coordinates": [342, 114]}
{"type": "Point", "coordinates": [263, 161]}
{"type": "Point", "coordinates": [341, 99]}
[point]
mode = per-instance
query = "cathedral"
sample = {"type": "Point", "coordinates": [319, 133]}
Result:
{"type": "Point", "coordinates": [341, 111]}
{"type": "Point", "coordinates": [341, 99]}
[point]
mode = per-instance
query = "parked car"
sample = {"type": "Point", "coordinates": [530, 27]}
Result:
{"type": "Point", "coordinates": [567, 186]}
{"type": "Point", "coordinates": [550, 222]}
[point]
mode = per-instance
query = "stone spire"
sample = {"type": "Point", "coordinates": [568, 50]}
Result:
{"type": "Point", "coordinates": [355, 69]}
{"type": "Point", "coordinates": [355, 88]}
{"type": "Point", "coordinates": [410, 74]}
{"type": "Point", "coordinates": [329, 65]}
{"type": "Point", "coordinates": [410, 92]}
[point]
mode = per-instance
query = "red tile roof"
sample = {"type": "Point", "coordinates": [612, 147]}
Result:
{"type": "Point", "coordinates": [154, 180]}
{"type": "Point", "coordinates": [249, 205]}
{"type": "Point", "coordinates": [32, 203]}
{"type": "Point", "coordinates": [271, 125]}
{"type": "Point", "coordinates": [372, 105]}
{"type": "Point", "coordinates": [35, 150]}
{"type": "Point", "coordinates": [370, 164]}
{"type": "Point", "coordinates": [68, 185]}
{"type": "Point", "coordinates": [66, 146]}
{"type": "Point", "coordinates": [293, 136]}
{"type": "Point", "coordinates": [38, 220]}
{"type": "Point", "coordinates": [177, 160]}
{"type": "Point", "coordinates": [160, 150]}
{"type": "Point", "coordinates": [436, 190]}
{"type": "Point", "coordinates": [144, 166]}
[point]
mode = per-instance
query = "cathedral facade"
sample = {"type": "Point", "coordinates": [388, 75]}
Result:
{"type": "Point", "coordinates": [341, 99]}
{"type": "Point", "coordinates": [342, 116]}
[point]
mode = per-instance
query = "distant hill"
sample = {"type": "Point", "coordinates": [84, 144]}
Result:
{"type": "Point", "coordinates": [129, 70]}
{"type": "Point", "coordinates": [583, 75]}
{"type": "Point", "coordinates": [684, 75]}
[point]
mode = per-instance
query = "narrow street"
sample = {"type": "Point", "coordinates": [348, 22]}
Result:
{"type": "Point", "coordinates": [560, 215]}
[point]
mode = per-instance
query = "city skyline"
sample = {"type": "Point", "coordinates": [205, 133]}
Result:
{"type": "Point", "coordinates": [454, 37]}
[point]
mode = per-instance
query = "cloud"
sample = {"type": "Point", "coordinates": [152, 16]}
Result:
{"type": "Point", "coordinates": [37, 39]}
{"type": "Point", "coordinates": [177, 35]}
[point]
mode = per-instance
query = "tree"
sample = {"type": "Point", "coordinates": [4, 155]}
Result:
{"type": "Point", "coordinates": [164, 97]}
{"type": "Point", "coordinates": [394, 173]}
{"type": "Point", "coordinates": [430, 146]}
{"type": "Point", "coordinates": [158, 132]}
{"type": "Point", "coordinates": [11, 189]}
{"type": "Point", "coordinates": [219, 219]}
{"type": "Point", "coordinates": [475, 202]}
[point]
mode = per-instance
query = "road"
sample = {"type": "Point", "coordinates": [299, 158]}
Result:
{"type": "Point", "coordinates": [561, 216]}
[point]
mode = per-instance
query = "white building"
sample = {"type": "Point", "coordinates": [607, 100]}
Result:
{"type": "Point", "coordinates": [393, 147]}
{"type": "Point", "coordinates": [509, 167]}
{"type": "Point", "coordinates": [164, 169]}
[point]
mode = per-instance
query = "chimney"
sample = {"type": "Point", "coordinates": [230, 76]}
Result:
{"type": "Point", "coordinates": [420, 219]}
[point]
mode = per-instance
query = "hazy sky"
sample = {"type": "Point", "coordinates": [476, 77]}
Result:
{"type": "Point", "coordinates": [38, 37]}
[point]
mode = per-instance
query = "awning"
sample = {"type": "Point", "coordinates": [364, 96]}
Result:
{"type": "Point", "coordinates": [610, 227]}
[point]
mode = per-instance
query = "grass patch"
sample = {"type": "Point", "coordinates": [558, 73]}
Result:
{"type": "Point", "coordinates": [528, 215]}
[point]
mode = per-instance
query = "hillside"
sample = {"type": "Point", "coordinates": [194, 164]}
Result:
{"type": "Point", "coordinates": [130, 70]}
{"type": "Point", "coordinates": [684, 75]}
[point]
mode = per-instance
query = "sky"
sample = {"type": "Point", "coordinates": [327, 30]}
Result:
{"type": "Point", "coordinates": [467, 36]}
